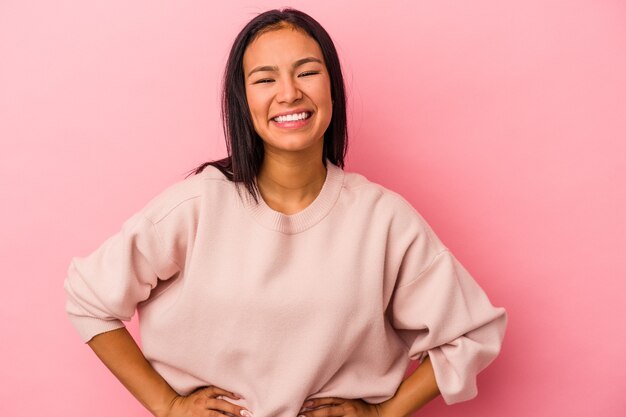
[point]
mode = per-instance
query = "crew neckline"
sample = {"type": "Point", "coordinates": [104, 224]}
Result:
{"type": "Point", "coordinates": [305, 218]}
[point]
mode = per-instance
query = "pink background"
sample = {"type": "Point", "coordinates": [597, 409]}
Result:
{"type": "Point", "coordinates": [504, 124]}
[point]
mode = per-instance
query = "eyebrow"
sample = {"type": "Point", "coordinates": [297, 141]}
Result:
{"type": "Point", "coordinates": [294, 65]}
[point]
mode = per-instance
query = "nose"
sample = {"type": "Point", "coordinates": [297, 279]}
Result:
{"type": "Point", "coordinates": [288, 91]}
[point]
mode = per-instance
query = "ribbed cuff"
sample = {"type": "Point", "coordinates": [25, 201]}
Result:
{"type": "Point", "coordinates": [88, 327]}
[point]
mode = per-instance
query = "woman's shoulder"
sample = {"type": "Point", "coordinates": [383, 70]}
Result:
{"type": "Point", "coordinates": [360, 184]}
{"type": "Point", "coordinates": [387, 205]}
{"type": "Point", "coordinates": [185, 194]}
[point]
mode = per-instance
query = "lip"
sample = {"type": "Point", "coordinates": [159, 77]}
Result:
{"type": "Point", "coordinates": [292, 112]}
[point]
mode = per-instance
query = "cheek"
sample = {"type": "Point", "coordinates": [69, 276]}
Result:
{"type": "Point", "coordinates": [327, 94]}
{"type": "Point", "coordinates": [327, 100]}
{"type": "Point", "coordinates": [253, 109]}
{"type": "Point", "coordinates": [257, 107]}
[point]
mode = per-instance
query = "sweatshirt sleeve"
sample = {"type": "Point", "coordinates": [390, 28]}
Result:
{"type": "Point", "coordinates": [104, 288]}
{"type": "Point", "coordinates": [439, 310]}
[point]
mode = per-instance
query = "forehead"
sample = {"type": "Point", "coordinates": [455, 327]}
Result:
{"type": "Point", "coordinates": [281, 45]}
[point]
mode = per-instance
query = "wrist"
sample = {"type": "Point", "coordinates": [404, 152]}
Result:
{"type": "Point", "coordinates": [163, 408]}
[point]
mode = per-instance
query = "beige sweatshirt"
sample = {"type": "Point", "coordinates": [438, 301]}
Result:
{"type": "Point", "coordinates": [334, 300]}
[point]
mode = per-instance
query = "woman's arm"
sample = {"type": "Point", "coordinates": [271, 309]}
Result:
{"type": "Point", "coordinates": [413, 393]}
{"type": "Point", "coordinates": [119, 352]}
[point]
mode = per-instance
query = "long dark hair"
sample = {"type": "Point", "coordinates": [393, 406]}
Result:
{"type": "Point", "coordinates": [244, 146]}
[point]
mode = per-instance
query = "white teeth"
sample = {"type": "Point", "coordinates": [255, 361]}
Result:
{"type": "Point", "coordinates": [291, 117]}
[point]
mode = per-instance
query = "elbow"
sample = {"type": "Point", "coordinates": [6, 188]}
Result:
{"type": "Point", "coordinates": [457, 364]}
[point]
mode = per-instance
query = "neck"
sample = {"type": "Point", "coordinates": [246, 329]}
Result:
{"type": "Point", "coordinates": [290, 185]}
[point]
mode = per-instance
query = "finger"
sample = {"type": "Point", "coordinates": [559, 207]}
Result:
{"type": "Point", "coordinates": [214, 391]}
{"type": "Point", "coordinates": [228, 407]}
{"type": "Point", "coordinates": [336, 410]}
{"type": "Point", "coordinates": [316, 402]}
{"type": "Point", "coordinates": [223, 407]}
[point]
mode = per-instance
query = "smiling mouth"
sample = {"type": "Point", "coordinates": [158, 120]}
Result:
{"type": "Point", "coordinates": [296, 117]}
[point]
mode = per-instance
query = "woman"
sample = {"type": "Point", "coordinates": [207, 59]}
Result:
{"type": "Point", "coordinates": [272, 283]}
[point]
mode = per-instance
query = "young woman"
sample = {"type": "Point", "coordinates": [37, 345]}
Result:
{"type": "Point", "coordinates": [273, 283]}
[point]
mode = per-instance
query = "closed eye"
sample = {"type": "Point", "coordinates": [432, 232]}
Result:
{"type": "Point", "coordinates": [309, 73]}
{"type": "Point", "coordinates": [268, 80]}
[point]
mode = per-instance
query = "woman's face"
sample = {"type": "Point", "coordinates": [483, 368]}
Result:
{"type": "Point", "coordinates": [285, 73]}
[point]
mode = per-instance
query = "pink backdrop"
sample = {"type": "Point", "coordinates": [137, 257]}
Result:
{"type": "Point", "coordinates": [504, 123]}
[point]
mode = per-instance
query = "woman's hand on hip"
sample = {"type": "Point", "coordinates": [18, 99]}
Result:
{"type": "Point", "coordinates": [338, 407]}
{"type": "Point", "coordinates": [206, 402]}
